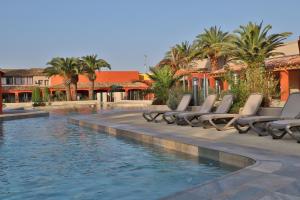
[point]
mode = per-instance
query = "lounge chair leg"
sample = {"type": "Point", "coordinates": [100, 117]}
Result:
{"type": "Point", "coordinates": [171, 121]}
{"type": "Point", "coordinates": [258, 130]}
{"type": "Point", "coordinates": [189, 121]}
{"type": "Point", "coordinates": [278, 135]}
{"type": "Point", "coordinates": [292, 133]}
{"type": "Point", "coordinates": [241, 129]}
{"type": "Point", "coordinates": [219, 128]}
{"type": "Point", "coordinates": [147, 117]}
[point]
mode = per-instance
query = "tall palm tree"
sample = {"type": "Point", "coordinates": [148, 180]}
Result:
{"type": "Point", "coordinates": [179, 56]}
{"type": "Point", "coordinates": [75, 78]}
{"type": "Point", "coordinates": [63, 67]}
{"type": "Point", "coordinates": [253, 44]}
{"type": "Point", "coordinates": [213, 44]}
{"type": "Point", "coordinates": [90, 65]}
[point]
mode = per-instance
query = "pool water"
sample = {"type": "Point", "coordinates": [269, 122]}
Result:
{"type": "Point", "coordinates": [48, 158]}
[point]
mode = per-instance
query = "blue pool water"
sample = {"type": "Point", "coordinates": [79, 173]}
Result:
{"type": "Point", "coordinates": [47, 158]}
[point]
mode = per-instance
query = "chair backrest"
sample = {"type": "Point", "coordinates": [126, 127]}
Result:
{"type": "Point", "coordinates": [291, 108]}
{"type": "Point", "coordinates": [252, 104]}
{"type": "Point", "coordinates": [225, 104]}
{"type": "Point", "coordinates": [208, 103]}
{"type": "Point", "coordinates": [184, 103]}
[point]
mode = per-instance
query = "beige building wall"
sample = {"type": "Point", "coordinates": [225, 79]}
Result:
{"type": "Point", "coordinates": [43, 80]}
{"type": "Point", "coordinates": [289, 48]}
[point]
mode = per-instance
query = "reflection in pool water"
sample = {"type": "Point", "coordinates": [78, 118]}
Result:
{"type": "Point", "coordinates": [47, 158]}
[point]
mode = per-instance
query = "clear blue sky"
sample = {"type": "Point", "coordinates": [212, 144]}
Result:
{"type": "Point", "coordinates": [123, 31]}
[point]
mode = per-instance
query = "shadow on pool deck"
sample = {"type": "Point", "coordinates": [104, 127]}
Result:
{"type": "Point", "coordinates": [275, 175]}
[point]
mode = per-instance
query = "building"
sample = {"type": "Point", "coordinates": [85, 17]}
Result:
{"type": "Point", "coordinates": [286, 68]}
{"type": "Point", "coordinates": [126, 82]}
{"type": "Point", "coordinates": [1, 102]}
{"type": "Point", "coordinates": [17, 84]}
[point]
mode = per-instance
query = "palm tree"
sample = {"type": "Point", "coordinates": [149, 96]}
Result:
{"type": "Point", "coordinates": [75, 78]}
{"type": "Point", "coordinates": [179, 56]}
{"type": "Point", "coordinates": [63, 67]}
{"type": "Point", "coordinates": [213, 44]}
{"type": "Point", "coordinates": [91, 64]}
{"type": "Point", "coordinates": [164, 78]}
{"type": "Point", "coordinates": [253, 45]}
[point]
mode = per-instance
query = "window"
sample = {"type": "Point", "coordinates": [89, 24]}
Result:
{"type": "Point", "coordinates": [40, 82]}
{"type": "Point", "coordinates": [3, 81]}
{"type": "Point", "coordinates": [29, 81]}
{"type": "Point", "coordinates": [46, 82]}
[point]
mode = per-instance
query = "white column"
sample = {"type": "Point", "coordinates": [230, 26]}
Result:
{"type": "Point", "coordinates": [118, 96]}
{"type": "Point", "coordinates": [104, 97]}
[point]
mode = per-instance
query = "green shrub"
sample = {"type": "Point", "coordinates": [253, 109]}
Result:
{"type": "Point", "coordinates": [46, 94]}
{"type": "Point", "coordinates": [175, 95]}
{"type": "Point", "coordinates": [36, 95]}
{"type": "Point", "coordinates": [251, 80]}
{"type": "Point", "coordinates": [59, 96]}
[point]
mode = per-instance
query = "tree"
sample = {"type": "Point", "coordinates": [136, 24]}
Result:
{"type": "Point", "coordinates": [252, 44]}
{"type": "Point", "coordinates": [181, 56]}
{"type": "Point", "coordinates": [164, 78]}
{"type": "Point", "coordinates": [64, 67]}
{"type": "Point", "coordinates": [78, 69]}
{"type": "Point", "coordinates": [46, 94]}
{"type": "Point", "coordinates": [36, 95]}
{"type": "Point", "coordinates": [90, 65]}
{"type": "Point", "coordinates": [213, 44]}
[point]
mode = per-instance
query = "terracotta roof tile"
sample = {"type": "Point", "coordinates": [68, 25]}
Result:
{"type": "Point", "coordinates": [23, 72]}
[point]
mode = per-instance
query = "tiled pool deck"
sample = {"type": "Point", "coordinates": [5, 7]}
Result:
{"type": "Point", "coordinates": [271, 167]}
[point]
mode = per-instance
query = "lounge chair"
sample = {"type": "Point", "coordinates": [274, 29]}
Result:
{"type": "Point", "coordinates": [171, 117]}
{"type": "Point", "coordinates": [192, 118]}
{"type": "Point", "coordinates": [291, 110]}
{"type": "Point", "coordinates": [151, 116]}
{"type": "Point", "coordinates": [278, 129]}
{"type": "Point", "coordinates": [250, 108]}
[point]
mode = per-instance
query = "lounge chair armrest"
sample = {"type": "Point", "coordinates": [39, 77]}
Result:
{"type": "Point", "coordinates": [223, 116]}
{"type": "Point", "coordinates": [267, 119]}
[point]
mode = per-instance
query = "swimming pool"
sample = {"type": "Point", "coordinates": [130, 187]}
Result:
{"type": "Point", "coordinates": [47, 158]}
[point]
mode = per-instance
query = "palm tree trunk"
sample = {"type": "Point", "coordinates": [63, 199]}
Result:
{"type": "Point", "coordinates": [214, 64]}
{"type": "Point", "coordinates": [91, 89]}
{"type": "Point", "coordinates": [68, 91]}
{"type": "Point", "coordinates": [75, 92]}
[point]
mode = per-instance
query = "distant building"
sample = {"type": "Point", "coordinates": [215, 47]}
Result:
{"type": "Point", "coordinates": [1, 102]}
{"type": "Point", "coordinates": [127, 82]}
{"type": "Point", "coordinates": [17, 84]}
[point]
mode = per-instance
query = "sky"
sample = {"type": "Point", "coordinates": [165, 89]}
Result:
{"type": "Point", "coordinates": [124, 31]}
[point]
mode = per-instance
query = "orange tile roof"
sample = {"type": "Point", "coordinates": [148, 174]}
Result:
{"type": "Point", "coordinates": [284, 61]}
{"type": "Point", "coordinates": [80, 85]}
